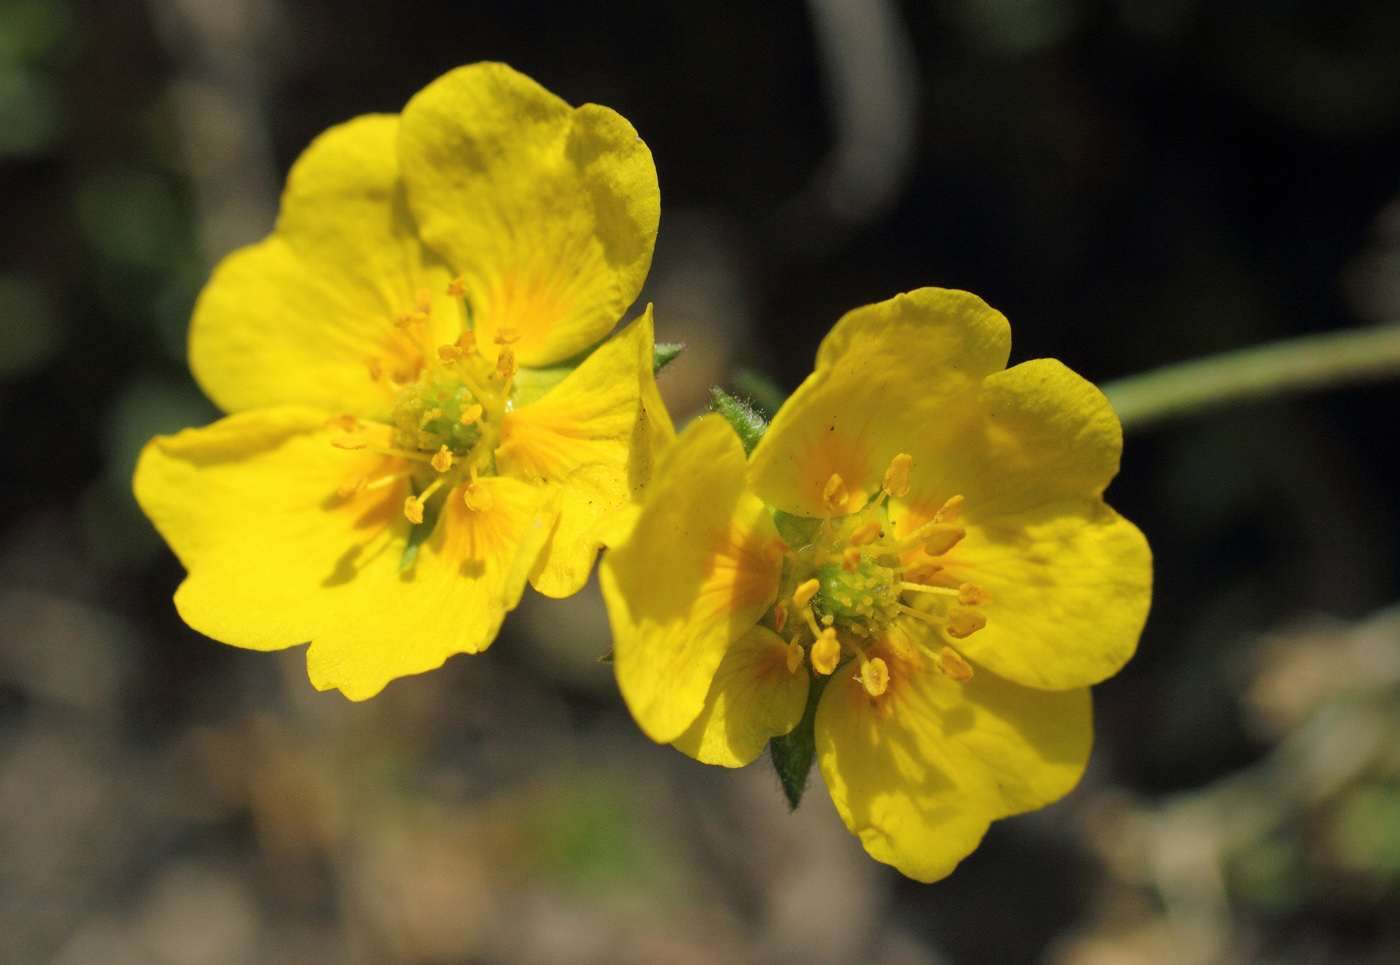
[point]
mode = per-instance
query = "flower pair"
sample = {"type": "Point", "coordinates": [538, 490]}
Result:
{"type": "Point", "coordinates": [913, 576]}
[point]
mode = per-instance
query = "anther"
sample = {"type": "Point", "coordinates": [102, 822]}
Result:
{"type": "Point", "coordinates": [413, 509]}
{"type": "Point", "coordinates": [349, 442]}
{"type": "Point", "coordinates": [477, 497]}
{"type": "Point", "coordinates": [442, 460]}
{"type": "Point", "coordinates": [867, 533]}
{"type": "Point", "coordinates": [405, 319]}
{"type": "Point", "coordinates": [826, 652]}
{"type": "Point", "coordinates": [899, 643]}
{"type": "Point", "coordinates": [942, 540]}
{"type": "Point", "coordinates": [506, 366]}
{"type": "Point", "coordinates": [794, 656]}
{"type": "Point", "coordinates": [896, 481]}
{"type": "Point", "coordinates": [804, 593]}
{"type": "Point", "coordinates": [951, 664]}
{"type": "Point", "coordinates": [875, 677]}
{"type": "Point", "coordinates": [948, 512]}
{"type": "Point", "coordinates": [963, 622]}
{"type": "Point", "coordinates": [457, 287]}
{"type": "Point", "coordinates": [449, 353]}
{"type": "Point", "coordinates": [970, 594]}
{"type": "Point", "coordinates": [354, 486]}
{"type": "Point", "coordinates": [345, 423]}
{"type": "Point", "coordinates": [471, 414]}
{"type": "Point", "coordinates": [376, 367]}
{"type": "Point", "coordinates": [884, 707]}
{"type": "Point", "coordinates": [466, 341]}
{"type": "Point", "coordinates": [922, 571]}
{"type": "Point", "coordinates": [775, 549]}
{"type": "Point", "coordinates": [835, 495]}
{"type": "Point", "coordinates": [507, 336]}
{"type": "Point", "coordinates": [423, 301]}
{"type": "Point", "coordinates": [850, 559]}
{"type": "Point", "coordinates": [780, 615]}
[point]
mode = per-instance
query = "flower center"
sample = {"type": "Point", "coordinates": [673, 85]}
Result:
{"type": "Point", "coordinates": [852, 590]}
{"type": "Point", "coordinates": [447, 411]}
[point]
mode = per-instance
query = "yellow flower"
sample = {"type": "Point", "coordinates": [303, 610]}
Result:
{"type": "Point", "coordinates": [411, 434]}
{"type": "Point", "coordinates": [921, 532]}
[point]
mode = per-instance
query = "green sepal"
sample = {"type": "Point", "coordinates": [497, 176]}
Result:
{"type": "Point", "coordinates": [606, 658]}
{"type": "Point", "coordinates": [794, 752]}
{"type": "Point", "coordinates": [531, 384]}
{"type": "Point", "coordinates": [749, 425]}
{"type": "Point", "coordinates": [797, 531]}
{"type": "Point", "coordinates": [421, 531]}
{"type": "Point", "coordinates": [764, 395]}
{"type": "Point", "coordinates": [663, 354]}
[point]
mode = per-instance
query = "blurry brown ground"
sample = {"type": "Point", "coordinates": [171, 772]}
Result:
{"type": "Point", "coordinates": [1132, 181]}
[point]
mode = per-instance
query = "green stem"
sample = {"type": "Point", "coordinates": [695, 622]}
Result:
{"type": "Point", "coordinates": [1301, 364]}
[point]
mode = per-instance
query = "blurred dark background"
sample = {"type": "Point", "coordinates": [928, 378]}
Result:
{"type": "Point", "coordinates": [1133, 182]}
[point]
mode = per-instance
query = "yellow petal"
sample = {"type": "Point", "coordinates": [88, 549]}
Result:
{"type": "Point", "coordinates": [753, 697]}
{"type": "Point", "coordinates": [548, 212]}
{"type": "Point", "coordinates": [887, 373]}
{"type": "Point", "coordinates": [291, 319]}
{"type": "Point", "coordinates": [693, 575]}
{"type": "Point", "coordinates": [276, 557]}
{"type": "Point", "coordinates": [920, 786]}
{"type": "Point", "coordinates": [592, 439]}
{"type": "Point", "coordinates": [1070, 587]}
{"type": "Point", "coordinates": [1037, 433]}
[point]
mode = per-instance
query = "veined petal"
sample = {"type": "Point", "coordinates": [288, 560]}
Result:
{"type": "Point", "coordinates": [920, 786]}
{"type": "Point", "coordinates": [1036, 433]}
{"type": "Point", "coordinates": [276, 557]}
{"type": "Point", "coordinates": [548, 212]}
{"type": "Point", "coordinates": [694, 574]}
{"type": "Point", "coordinates": [753, 697]}
{"type": "Point", "coordinates": [592, 439]}
{"type": "Point", "coordinates": [291, 319]}
{"type": "Point", "coordinates": [887, 373]}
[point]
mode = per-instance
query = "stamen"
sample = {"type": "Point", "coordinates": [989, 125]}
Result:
{"type": "Point", "coordinates": [345, 423]}
{"type": "Point", "coordinates": [941, 541]}
{"type": "Point", "coordinates": [376, 367]}
{"type": "Point", "coordinates": [835, 496]}
{"type": "Point", "coordinates": [477, 497]}
{"type": "Point", "coordinates": [875, 677]}
{"type": "Point", "coordinates": [457, 287]}
{"type": "Point", "coordinates": [775, 549]}
{"type": "Point", "coordinates": [826, 652]}
{"type": "Point", "coordinates": [898, 641]}
{"type": "Point", "coordinates": [423, 302]}
{"type": "Point", "coordinates": [884, 707]}
{"type": "Point", "coordinates": [795, 653]}
{"type": "Point", "coordinates": [355, 486]}
{"type": "Point", "coordinates": [928, 618]}
{"type": "Point", "coordinates": [804, 593]}
{"type": "Point", "coordinates": [780, 615]}
{"type": "Point", "coordinates": [867, 533]}
{"type": "Point", "coordinates": [466, 341]}
{"type": "Point", "coordinates": [449, 353]}
{"type": "Point", "coordinates": [471, 414]}
{"type": "Point", "coordinates": [506, 366]}
{"type": "Point", "coordinates": [963, 622]}
{"type": "Point", "coordinates": [925, 588]}
{"type": "Point", "coordinates": [951, 664]}
{"type": "Point", "coordinates": [405, 319]}
{"type": "Point", "coordinates": [507, 336]}
{"type": "Point", "coordinates": [896, 482]}
{"type": "Point", "coordinates": [948, 512]}
{"type": "Point", "coordinates": [850, 559]}
{"type": "Point", "coordinates": [970, 594]}
{"type": "Point", "coordinates": [922, 571]}
{"type": "Point", "coordinates": [413, 509]}
{"type": "Point", "coordinates": [349, 442]}
{"type": "Point", "coordinates": [442, 460]}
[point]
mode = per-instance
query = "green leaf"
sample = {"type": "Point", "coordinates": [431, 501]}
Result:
{"type": "Point", "coordinates": [746, 422]}
{"type": "Point", "coordinates": [763, 393]}
{"type": "Point", "coordinates": [421, 531]}
{"type": "Point", "coordinates": [794, 752]}
{"type": "Point", "coordinates": [663, 354]}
